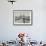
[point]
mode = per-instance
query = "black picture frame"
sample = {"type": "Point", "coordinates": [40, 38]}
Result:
{"type": "Point", "coordinates": [17, 14]}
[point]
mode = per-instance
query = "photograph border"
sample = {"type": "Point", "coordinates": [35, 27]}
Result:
{"type": "Point", "coordinates": [24, 24]}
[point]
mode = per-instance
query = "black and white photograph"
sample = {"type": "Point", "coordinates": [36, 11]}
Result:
{"type": "Point", "coordinates": [22, 16]}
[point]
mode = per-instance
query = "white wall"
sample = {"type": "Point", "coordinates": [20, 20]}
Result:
{"type": "Point", "coordinates": [38, 30]}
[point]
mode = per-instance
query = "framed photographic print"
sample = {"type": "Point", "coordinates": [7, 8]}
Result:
{"type": "Point", "coordinates": [22, 17]}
